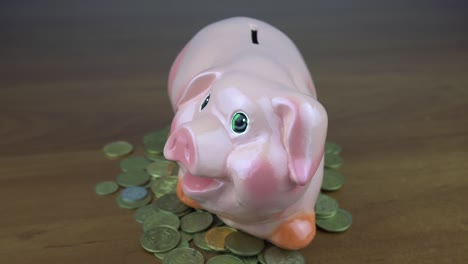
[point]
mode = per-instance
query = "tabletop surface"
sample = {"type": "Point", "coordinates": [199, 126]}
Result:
{"type": "Point", "coordinates": [75, 75]}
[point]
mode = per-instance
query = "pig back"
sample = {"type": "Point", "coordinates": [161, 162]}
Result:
{"type": "Point", "coordinates": [240, 44]}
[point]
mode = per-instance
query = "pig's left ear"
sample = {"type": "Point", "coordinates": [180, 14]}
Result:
{"type": "Point", "coordinates": [304, 129]}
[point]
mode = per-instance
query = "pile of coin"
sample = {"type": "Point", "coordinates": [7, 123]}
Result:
{"type": "Point", "coordinates": [154, 143]}
{"type": "Point", "coordinates": [329, 217]}
{"type": "Point", "coordinates": [176, 233]}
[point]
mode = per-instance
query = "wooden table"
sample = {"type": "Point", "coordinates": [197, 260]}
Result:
{"type": "Point", "coordinates": [76, 75]}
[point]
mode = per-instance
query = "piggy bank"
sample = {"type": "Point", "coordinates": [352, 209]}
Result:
{"type": "Point", "coordinates": [248, 132]}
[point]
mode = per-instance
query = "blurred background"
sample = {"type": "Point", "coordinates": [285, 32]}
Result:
{"type": "Point", "coordinates": [118, 54]}
{"type": "Point", "coordinates": [75, 75]}
{"type": "Point", "coordinates": [117, 39]}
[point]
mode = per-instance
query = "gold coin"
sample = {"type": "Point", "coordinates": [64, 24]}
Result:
{"type": "Point", "coordinates": [216, 236]}
{"type": "Point", "coordinates": [200, 242]}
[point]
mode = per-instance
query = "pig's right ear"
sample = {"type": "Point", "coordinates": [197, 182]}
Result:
{"type": "Point", "coordinates": [303, 131]}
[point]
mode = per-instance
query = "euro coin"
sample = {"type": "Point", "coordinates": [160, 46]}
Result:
{"type": "Point", "coordinates": [160, 239]}
{"type": "Point", "coordinates": [106, 188]}
{"type": "Point", "coordinates": [171, 203]}
{"type": "Point", "coordinates": [164, 185]}
{"type": "Point", "coordinates": [163, 133]}
{"type": "Point", "coordinates": [153, 157]}
{"type": "Point", "coordinates": [142, 213]}
{"type": "Point", "coordinates": [155, 145]}
{"type": "Point", "coordinates": [261, 258]}
{"type": "Point", "coordinates": [117, 149]}
{"type": "Point", "coordinates": [325, 207]}
{"type": "Point", "coordinates": [159, 219]}
{"type": "Point", "coordinates": [161, 255]}
{"type": "Point", "coordinates": [184, 256]}
{"type": "Point", "coordinates": [186, 212]}
{"type": "Point", "coordinates": [196, 222]}
{"type": "Point", "coordinates": [331, 147]}
{"type": "Point", "coordinates": [200, 241]}
{"type": "Point", "coordinates": [182, 244]}
{"type": "Point", "coordinates": [332, 180]}
{"type": "Point", "coordinates": [134, 163]}
{"type": "Point", "coordinates": [243, 244]}
{"type": "Point", "coordinates": [154, 142]}
{"type": "Point", "coordinates": [225, 259]}
{"type": "Point", "coordinates": [249, 260]}
{"type": "Point", "coordinates": [148, 184]}
{"type": "Point", "coordinates": [275, 255]}
{"type": "Point", "coordinates": [132, 178]}
{"type": "Point", "coordinates": [333, 161]}
{"type": "Point", "coordinates": [340, 222]}
{"type": "Point", "coordinates": [159, 168]}
{"type": "Point", "coordinates": [216, 236]}
{"type": "Point", "coordinates": [186, 236]}
{"type": "Point", "coordinates": [126, 205]}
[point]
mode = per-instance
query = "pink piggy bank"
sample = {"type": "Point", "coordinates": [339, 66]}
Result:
{"type": "Point", "coordinates": [248, 132]}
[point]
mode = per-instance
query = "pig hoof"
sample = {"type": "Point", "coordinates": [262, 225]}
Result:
{"type": "Point", "coordinates": [187, 201]}
{"type": "Point", "coordinates": [296, 233]}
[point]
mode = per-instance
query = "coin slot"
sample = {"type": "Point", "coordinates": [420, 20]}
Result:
{"type": "Point", "coordinates": [253, 34]}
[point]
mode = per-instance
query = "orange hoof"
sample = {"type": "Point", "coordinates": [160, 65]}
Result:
{"type": "Point", "coordinates": [187, 201]}
{"type": "Point", "coordinates": [296, 233]}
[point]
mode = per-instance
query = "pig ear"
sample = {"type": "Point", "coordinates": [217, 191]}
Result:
{"type": "Point", "coordinates": [303, 130]}
{"type": "Point", "coordinates": [199, 84]}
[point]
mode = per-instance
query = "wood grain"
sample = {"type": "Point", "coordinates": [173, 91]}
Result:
{"type": "Point", "coordinates": [75, 75]}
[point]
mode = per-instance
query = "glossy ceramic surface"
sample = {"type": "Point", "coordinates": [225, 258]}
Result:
{"type": "Point", "coordinates": [248, 131]}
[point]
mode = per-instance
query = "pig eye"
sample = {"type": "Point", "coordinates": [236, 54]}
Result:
{"type": "Point", "coordinates": [239, 123]}
{"type": "Point", "coordinates": [205, 102]}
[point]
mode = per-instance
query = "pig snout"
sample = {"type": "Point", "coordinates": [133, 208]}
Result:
{"type": "Point", "coordinates": [180, 147]}
{"type": "Point", "coordinates": [200, 146]}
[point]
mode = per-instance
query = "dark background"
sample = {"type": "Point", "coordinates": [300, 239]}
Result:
{"type": "Point", "coordinates": [75, 75]}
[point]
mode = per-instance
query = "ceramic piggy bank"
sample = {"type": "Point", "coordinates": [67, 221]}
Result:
{"type": "Point", "coordinates": [248, 132]}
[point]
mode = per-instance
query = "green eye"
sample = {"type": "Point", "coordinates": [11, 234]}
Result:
{"type": "Point", "coordinates": [239, 123]}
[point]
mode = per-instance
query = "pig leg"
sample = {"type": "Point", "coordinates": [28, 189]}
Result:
{"type": "Point", "coordinates": [293, 234]}
{"type": "Point", "coordinates": [296, 233]}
